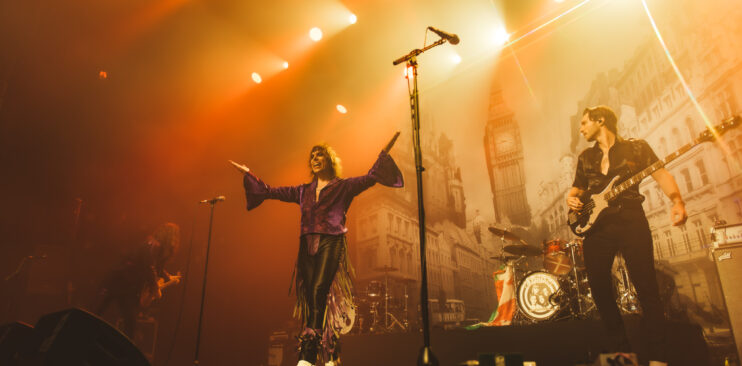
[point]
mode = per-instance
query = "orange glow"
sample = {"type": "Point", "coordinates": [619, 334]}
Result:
{"type": "Point", "coordinates": [102, 75]}
{"type": "Point", "coordinates": [145, 19]}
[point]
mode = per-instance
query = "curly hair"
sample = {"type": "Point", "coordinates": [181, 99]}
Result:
{"type": "Point", "coordinates": [330, 154]}
{"type": "Point", "coordinates": [168, 235]}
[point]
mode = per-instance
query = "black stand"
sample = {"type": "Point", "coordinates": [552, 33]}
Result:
{"type": "Point", "coordinates": [426, 357]}
{"type": "Point", "coordinates": [211, 203]}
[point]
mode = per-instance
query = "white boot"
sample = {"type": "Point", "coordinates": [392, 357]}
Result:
{"type": "Point", "coordinates": [304, 363]}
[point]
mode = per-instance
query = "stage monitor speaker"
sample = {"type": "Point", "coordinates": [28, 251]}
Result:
{"type": "Point", "coordinates": [491, 359]}
{"type": "Point", "coordinates": [616, 359]}
{"type": "Point", "coordinates": [15, 340]}
{"type": "Point", "coordinates": [75, 337]}
{"type": "Point", "coordinates": [728, 260]}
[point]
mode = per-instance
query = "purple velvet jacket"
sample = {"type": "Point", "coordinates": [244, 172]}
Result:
{"type": "Point", "coordinates": [327, 215]}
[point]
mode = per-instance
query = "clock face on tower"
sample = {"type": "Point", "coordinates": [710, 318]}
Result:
{"type": "Point", "coordinates": [505, 142]}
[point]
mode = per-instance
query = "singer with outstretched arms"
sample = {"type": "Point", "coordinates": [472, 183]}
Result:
{"type": "Point", "coordinates": [324, 300]}
{"type": "Point", "coordinates": [624, 229]}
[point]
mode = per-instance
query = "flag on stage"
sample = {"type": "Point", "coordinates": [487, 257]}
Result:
{"type": "Point", "coordinates": [505, 290]}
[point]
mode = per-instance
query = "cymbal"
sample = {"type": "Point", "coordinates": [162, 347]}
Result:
{"type": "Point", "coordinates": [385, 269]}
{"type": "Point", "coordinates": [504, 234]}
{"type": "Point", "coordinates": [521, 249]}
{"type": "Point", "coordinates": [506, 258]}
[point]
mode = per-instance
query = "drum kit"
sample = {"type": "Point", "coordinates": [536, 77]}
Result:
{"type": "Point", "coordinates": [379, 310]}
{"type": "Point", "coordinates": [559, 290]}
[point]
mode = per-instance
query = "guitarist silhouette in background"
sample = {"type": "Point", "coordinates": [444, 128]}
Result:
{"type": "Point", "coordinates": [624, 228]}
{"type": "Point", "coordinates": [141, 276]}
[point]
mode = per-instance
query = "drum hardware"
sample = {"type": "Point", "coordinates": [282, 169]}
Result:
{"type": "Point", "coordinates": [390, 320]}
{"type": "Point", "coordinates": [560, 291]}
{"type": "Point", "coordinates": [572, 247]}
{"type": "Point", "coordinates": [627, 299]}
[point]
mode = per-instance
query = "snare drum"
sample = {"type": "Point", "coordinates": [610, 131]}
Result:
{"type": "Point", "coordinates": [536, 296]}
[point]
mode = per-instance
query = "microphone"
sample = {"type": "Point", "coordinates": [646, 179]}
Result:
{"type": "Point", "coordinates": [451, 38]}
{"type": "Point", "coordinates": [213, 200]}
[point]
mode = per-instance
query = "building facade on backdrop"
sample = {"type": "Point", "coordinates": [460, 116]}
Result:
{"type": "Point", "coordinates": [384, 236]}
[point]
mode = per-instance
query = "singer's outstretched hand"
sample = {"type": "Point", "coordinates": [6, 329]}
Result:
{"type": "Point", "coordinates": [391, 143]}
{"type": "Point", "coordinates": [243, 169]}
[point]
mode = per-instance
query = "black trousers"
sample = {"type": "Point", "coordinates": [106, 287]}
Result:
{"type": "Point", "coordinates": [627, 232]}
{"type": "Point", "coordinates": [128, 304]}
{"type": "Point", "coordinates": [317, 273]}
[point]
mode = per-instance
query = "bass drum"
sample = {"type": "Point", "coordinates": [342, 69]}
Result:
{"type": "Point", "coordinates": [536, 295]}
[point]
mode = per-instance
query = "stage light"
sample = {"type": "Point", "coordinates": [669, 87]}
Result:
{"type": "Point", "coordinates": [341, 109]}
{"type": "Point", "coordinates": [285, 65]}
{"type": "Point", "coordinates": [315, 34]}
{"type": "Point", "coordinates": [559, 1]}
{"type": "Point", "coordinates": [456, 59]}
{"type": "Point", "coordinates": [352, 19]}
{"type": "Point", "coordinates": [102, 75]}
{"type": "Point", "coordinates": [256, 78]}
{"type": "Point", "coordinates": [500, 36]}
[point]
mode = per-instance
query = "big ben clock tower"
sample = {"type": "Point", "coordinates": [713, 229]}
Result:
{"type": "Point", "coordinates": [504, 153]}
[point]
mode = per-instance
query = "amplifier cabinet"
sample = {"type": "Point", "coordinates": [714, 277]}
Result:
{"type": "Point", "coordinates": [728, 263]}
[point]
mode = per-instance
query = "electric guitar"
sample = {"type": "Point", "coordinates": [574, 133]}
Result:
{"type": "Point", "coordinates": [597, 205]}
{"type": "Point", "coordinates": [150, 294]}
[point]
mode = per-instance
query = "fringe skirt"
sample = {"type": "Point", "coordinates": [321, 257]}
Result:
{"type": "Point", "coordinates": [339, 310]}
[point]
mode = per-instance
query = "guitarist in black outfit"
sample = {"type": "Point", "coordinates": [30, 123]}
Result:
{"type": "Point", "coordinates": [136, 282]}
{"type": "Point", "coordinates": [626, 230]}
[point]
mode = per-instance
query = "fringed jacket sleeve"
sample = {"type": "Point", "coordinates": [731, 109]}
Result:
{"type": "Point", "coordinates": [384, 171]}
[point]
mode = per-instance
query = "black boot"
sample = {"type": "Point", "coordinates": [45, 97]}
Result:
{"type": "Point", "coordinates": [309, 343]}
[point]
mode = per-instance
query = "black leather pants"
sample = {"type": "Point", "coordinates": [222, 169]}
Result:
{"type": "Point", "coordinates": [317, 272]}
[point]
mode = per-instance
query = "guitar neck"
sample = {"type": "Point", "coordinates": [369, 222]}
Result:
{"type": "Point", "coordinates": [620, 188]}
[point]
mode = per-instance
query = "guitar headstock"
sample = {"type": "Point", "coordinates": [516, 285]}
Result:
{"type": "Point", "coordinates": [718, 130]}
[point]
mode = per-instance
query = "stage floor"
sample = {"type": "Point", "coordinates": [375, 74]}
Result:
{"type": "Point", "coordinates": [548, 344]}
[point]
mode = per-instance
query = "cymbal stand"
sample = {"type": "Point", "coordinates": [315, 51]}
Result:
{"type": "Point", "coordinates": [572, 248]}
{"type": "Point", "coordinates": [627, 298]}
{"type": "Point", "coordinates": [406, 322]}
{"type": "Point", "coordinates": [388, 327]}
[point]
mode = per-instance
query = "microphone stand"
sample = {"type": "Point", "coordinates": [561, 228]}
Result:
{"type": "Point", "coordinates": [211, 203]}
{"type": "Point", "coordinates": [426, 357]}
